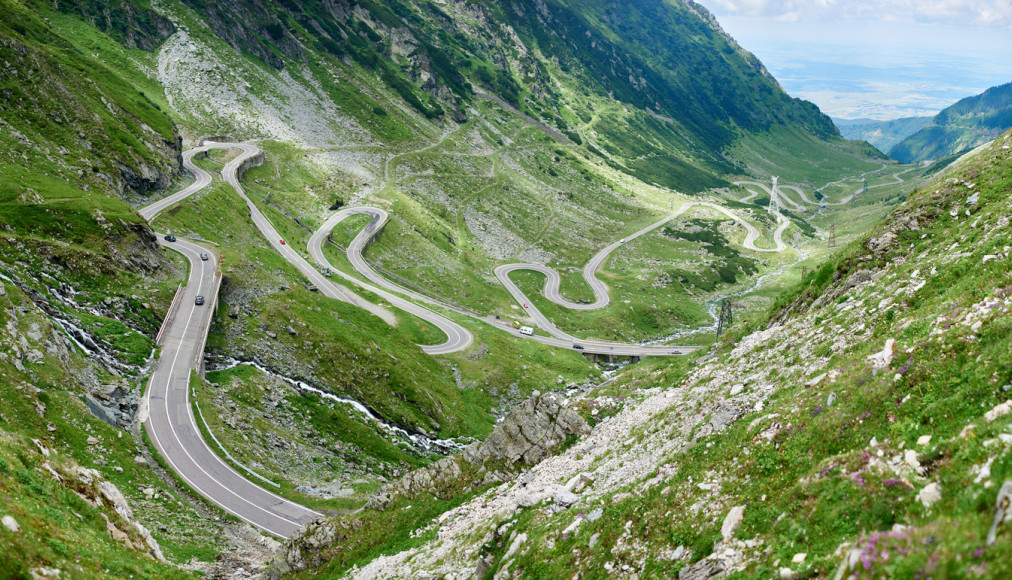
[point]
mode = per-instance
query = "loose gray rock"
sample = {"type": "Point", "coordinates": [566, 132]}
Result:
{"type": "Point", "coordinates": [732, 522]}
{"type": "Point", "coordinates": [526, 436]}
{"type": "Point", "coordinates": [11, 524]}
{"type": "Point", "coordinates": [1002, 511]}
{"type": "Point", "coordinates": [726, 413]}
{"type": "Point", "coordinates": [301, 551]}
{"type": "Point", "coordinates": [701, 570]}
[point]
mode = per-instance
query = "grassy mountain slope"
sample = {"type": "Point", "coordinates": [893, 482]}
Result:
{"type": "Point", "coordinates": [76, 138]}
{"type": "Point", "coordinates": [468, 187]}
{"type": "Point", "coordinates": [695, 90]}
{"type": "Point", "coordinates": [884, 135]}
{"type": "Point", "coordinates": [969, 123]}
{"type": "Point", "coordinates": [493, 132]}
{"type": "Point", "coordinates": [863, 429]}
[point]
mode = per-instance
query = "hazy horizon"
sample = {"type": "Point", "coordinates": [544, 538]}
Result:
{"type": "Point", "coordinates": [854, 68]}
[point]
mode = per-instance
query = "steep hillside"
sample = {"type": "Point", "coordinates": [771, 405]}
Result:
{"type": "Point", "coordinates": [959, 128]}
{"type": "Point", "coordinates": [863, 429]}
{"type": "Point", "coordinates": [491, 132]}
{"type": "Point", "coordinates": [884, 135]}
{"type": "Point", "coordinates": [685, 89]}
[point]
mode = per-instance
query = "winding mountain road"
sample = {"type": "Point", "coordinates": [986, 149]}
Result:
{"type": "Point", "coordinates": [457, 337]}
{"type": "Point", "coordinates": [455, 331]}
{"type": "Point", "coordinates": [167, 413]}
{"type": "Point", "coordinates": [804, 197]}
{"type": "Point", "coordinates": [601, 299]}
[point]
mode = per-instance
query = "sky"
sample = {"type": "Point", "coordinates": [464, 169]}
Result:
{"type": "Point", "coordinates": [882, 59]}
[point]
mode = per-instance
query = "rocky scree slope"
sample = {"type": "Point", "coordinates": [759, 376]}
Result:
{"type": "Point", "coordinates": [863, 430]}
{"type": "Point", "coordinates": [530, 432]}
{"type": "Point", "coordinates": [555, 61]}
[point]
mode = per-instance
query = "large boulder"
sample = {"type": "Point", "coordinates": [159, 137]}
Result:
{"type": "Point", "coordinates": [526, 436]}
{"type": "Point", "coordinates": [302, 550]}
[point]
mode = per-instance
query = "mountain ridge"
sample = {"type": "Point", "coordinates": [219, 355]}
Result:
{"type": "Point", "coordinates": [959, 128]}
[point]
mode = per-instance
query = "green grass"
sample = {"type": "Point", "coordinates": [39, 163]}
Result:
{"type": "Point", "coordinates": [132, 347]}
{"type": "Point", "coordinates": [325, 421]}
{"type": "Point", "coordinates": [818, 483]}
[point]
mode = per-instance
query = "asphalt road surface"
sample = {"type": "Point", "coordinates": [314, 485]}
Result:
{"type": "Point", "coordinates": [172, 426]}
{"type": "Point", "coordinates": [557, 337]}
{"type": "Point", "coordinates": [457, 337]}
{"type": "Point", "coordinates": [203, 179]}
{"type": "Point", "coordinates": [601, 298]}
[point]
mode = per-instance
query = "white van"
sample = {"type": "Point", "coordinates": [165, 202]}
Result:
{"type": "Point", "coordinates": [527, 330]}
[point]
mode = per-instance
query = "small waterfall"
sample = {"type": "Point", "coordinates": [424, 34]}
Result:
{"type": "Point", "coordinates": [418, 442]}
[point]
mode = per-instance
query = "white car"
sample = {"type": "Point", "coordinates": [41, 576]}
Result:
{"type": "Point", "coordinates": [527, 330]}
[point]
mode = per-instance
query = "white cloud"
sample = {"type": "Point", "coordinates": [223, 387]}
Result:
{"type": "Point", "coordinates": [954, 12]}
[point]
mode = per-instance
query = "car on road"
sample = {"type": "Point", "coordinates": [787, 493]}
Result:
{"type": "Point", "coordinates": [527, 330]}
{"type": "Point", "coordinates": [578, 346]}
{"type": "Point", "coordinates": [282, 242]}
{"type": "Point", "coordinates": [622, 241]}
{"type": "Point", "coordinates": [170, 238]}
{"type": "Point", "coordinates": [199, 300]}
{"type": "Point", "coordinates": [204, 256]}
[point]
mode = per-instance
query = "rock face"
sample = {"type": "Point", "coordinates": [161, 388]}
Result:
{"type": "Point", "coordinates": [883, 358]}
{"type": "Point", "coordinates": [526, 436]}
{"type": "Point", "coordinates": [529, 432]}
{"type": "Point", "coordinates": [302, 550]}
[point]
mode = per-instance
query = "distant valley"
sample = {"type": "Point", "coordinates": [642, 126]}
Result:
{"type": "Point", "coordinates": [489, 289]}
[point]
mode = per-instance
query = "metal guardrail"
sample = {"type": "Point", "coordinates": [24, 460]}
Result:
{"type": "Point", "coordinates": [198, 361]}
{"type": "Point", "coordinates": [225, 451]}
{"type": "Point", "coordinates": [169, 315]}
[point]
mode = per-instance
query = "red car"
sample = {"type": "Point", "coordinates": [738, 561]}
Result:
{"type": "Point", "coordinates": [282, 242]}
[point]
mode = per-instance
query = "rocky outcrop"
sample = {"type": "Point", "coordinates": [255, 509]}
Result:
{"type": "Point", "coordinates": [880, 245]}
{"type": "Point", "coordinates": [115, 403]}
{"type": "Point", "coordinates": [132, 26]}
{"type": "Point", "coordinates": [302, 550]}
{"type": "Point", "coordinates": [89, 485]}
{"type": "Point", "coordinates": [526, 436]}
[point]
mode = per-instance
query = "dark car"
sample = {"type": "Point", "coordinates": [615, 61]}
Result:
{"type": "Point", "coordinates": [204, 256]}
{"type": "Point", "coordinates": [578, 346]}
{"type": "Point", "coordinates": [170, 238]}
{"type": "Point", "coordinates": [199, 300]}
